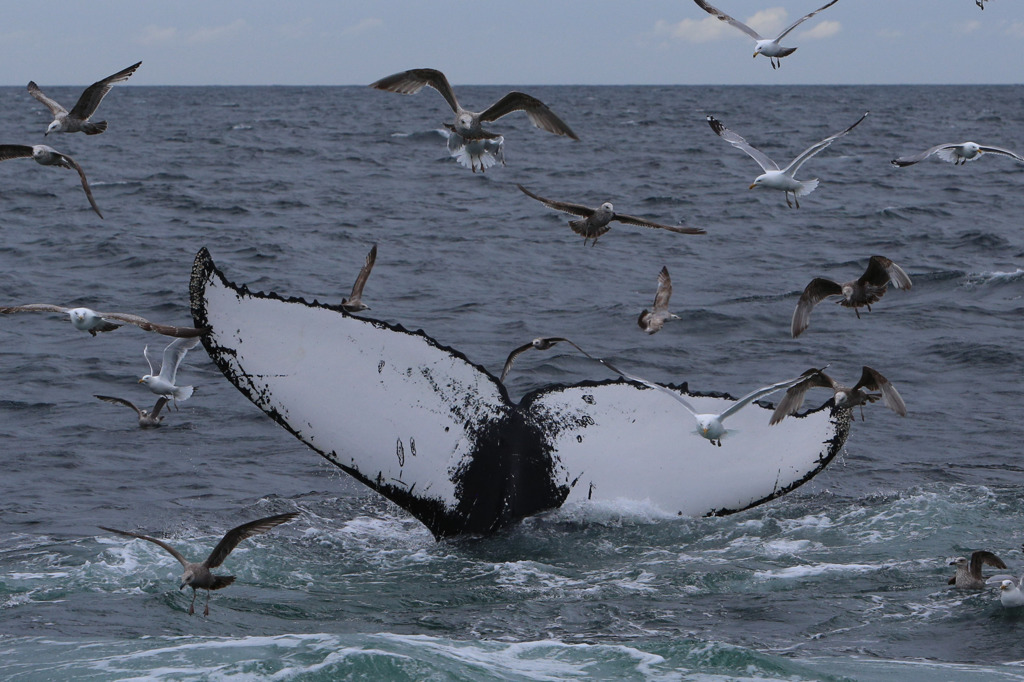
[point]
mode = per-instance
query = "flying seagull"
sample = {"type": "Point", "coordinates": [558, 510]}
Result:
{"type": "Point", "coordinates": [468, 126]}
{"type": "Point", "coordinates": [48, 156]}
{"type": "Point", "coordinates": [596, 220]}
{"type": "Point", "coordinates": [957, 154]}
{"type": "Point", "coordinates": [354, 303]}
{"type": "Point", "coordinates": [968, 575]}
{"type": "Point", "coordinates": [88, 320]}
{"type": "Point", "coordinates": [863, 291]}
{"type": "Point", "coordinates": [147, 418]}
{"type": "Point", "coordinates": [774, 177]}
{"type": "Point", "coordinates": [653, 320]}
{"type": "Point", "coordinates": [844, 396]}
{"type": "Point", "coordinates": [198, 575]}
{"type": "Point", "coordinates": [77, 119]}
{"type": "Point", "coordinates": [980, 3]}
{"type": "Point", "coordinates": [542, 343]}
{"type": "Point", "coordinates": [768, 47]}
{"type": "Point", "coordinates": [163, 383]}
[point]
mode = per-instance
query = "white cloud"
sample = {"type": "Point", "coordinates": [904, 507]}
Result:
{"type": "Point", "coordinates": [212, 34]}
{"type": "Point", "coordinates": [824, 29]}
{"type": "Point", "coordinates": [767, 22]}
{"type": "Point", "coordinates": [1016, 29]}
{"type": "Point", "coordinates": [155, 35]}
{"type": "Point", "coordinates": [367, 24]}
{"type": "Point", "coordinates": [297, 30]}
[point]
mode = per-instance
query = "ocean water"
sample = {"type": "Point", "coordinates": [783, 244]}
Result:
{"type": "Point", "coordinates": [288, 188]}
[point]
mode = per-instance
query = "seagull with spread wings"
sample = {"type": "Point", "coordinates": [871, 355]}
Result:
{"type": "Point", "coordinates": [844, 396]}
{"type": "Point", "coordinates": [968, 573]}
{"type": "Point", "coordinates": [48, 156]}
{"type": "Point", "coordinates": [956, 153]}
{"type": "Point", "coordinates": [354, 302]}
{"type": "Point", "coordinates": [651, 321]}
{"type": "Point", "coordinates": [147, 418]}
{"type": "Point", "coordinates": [543, 343]}
{"type": "Point", "coordinates": [88, 320]}
{"type": "Point", "coordinates": [77, 119]}
{"type": "Point", "coordinates": [162, 384]}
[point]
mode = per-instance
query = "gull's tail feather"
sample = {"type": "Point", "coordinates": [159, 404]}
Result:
{"type": "Point", "coordinates": [806, 187]}
{"type": "Point", "coordinates": [90, 128]}
{"type": "Point", "coordinates": [182, 393]}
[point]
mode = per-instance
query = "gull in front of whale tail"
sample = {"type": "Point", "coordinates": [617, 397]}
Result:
{"type": "Point", "coordinates": [845, 397]}
{"type": "Point", "coordinates": [354, 302]}
{"type": "Point", "coordinates": [88, 320]}
{"type": "Point", "coordinates": [651, 321]}
{"type": "Point", "coordinates": [163, 383]}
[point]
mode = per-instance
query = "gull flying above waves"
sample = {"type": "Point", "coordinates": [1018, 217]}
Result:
{"type": "Point", "coordinates": [768, 47]}
{"type": "Point", "coordinates": [48, 156]}
{"type": "Point", "coordinates": [198, 576]}
{"type": "Point", "coordinates": [968, 575]}
{"type": "Point", "coordinates": [844, 396]}
{"type": "Point", "coordinates": [957, 154]}
{"type": "Point", "coordinates": [88, 320]}
{"type": "Point", "coordinates": [596, 220]}
{"type": "Point", "coordinates": [77, 119]}
{"type": "Point", "coordinates": [773, 177]}
{"type": "Point", "coordinates": [162, 384]}
{"type": "Point", "coordinates": [543, 343]}
{"type": "Point", "coordinates": [147, 418]}
{"type": "Point", "coordinates": [468, 126]}
{"type": "Point", "coordinates": [354, 302]}
{"type": "Point", "coordinates": [651, 321]}
{"type": "Point", "coordinates": [863, 291]}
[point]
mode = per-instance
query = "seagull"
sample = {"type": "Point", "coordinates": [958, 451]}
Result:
{"type": "Point", "coordinates": [198, 576]}
{"type": "Point", "coordinates": [968, 576]}
{"type": "Point", "coordinates": [354, 303]}
{"type": "Point", "coordinates": [146, 418]}
{"type": "Point", "coordinates": [88, 320]}
{"type": "Point", "coordinates": [163, 383]}
{"type": "Point", "coordinates": [709, 426]}
{"type": "Point", "coordinates": [1009, 589]}
{"type": "Point", "coordinates": [765, 46]}
{"type": "Point", "coordinates": [957, 154]}
{"type": "Point", "coordinates": [48, 156]}
{"type": "Point", "coordinates": [844, 396]}
{"type": "Point", "coordinates": [863, 291]}
{"type": "Point", "coordinates": [77, 119]}
{"type": "Point", "coordinates": [542, 343]}
{"type": "Point", "coordinates": [980, 3]}
{"type": "Point", "coordinates": [468, 124]}
{"type": "Point", "coordinates": [652, 321]}
{"type": "Point", "coordinates": [774, 177]}
{"type": "Point", "coordinates": [595, 220]}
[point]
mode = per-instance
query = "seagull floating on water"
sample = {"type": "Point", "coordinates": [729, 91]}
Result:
{"type": "Point", "coordinates": [88, 320]}
{"type": "Point", "coordinates": [968, 575]}
{"type": "Point", "coordinates": [863, 291]}
{"type": "Point", "coordinates": [468, 127]}
{"type": "Point", "coordinates": [957, 154]}
{"type": "Point", "coordinates": [844, 396]}
{"type": "Point", "coordinates": [354, 302]}
{"type": "Point", "coordinates": [163, 383]}
{"type": "Point", "coordinates": [147, 418]}
{"type": "Point", "coordinates": [767, 47]}
{"type": "Point", "coordinates": [198, 575]}
{"type": "Point", "coordinates": [773, 177]}
{"type": "Point", "coordinates": [77, 119]}
{"type": "Point", "coordinates": [596, 220]}
{"type": "Point", "coordinates": [653, 320]}
{"type": "Point", "coordinates": [543, 343]}
{"type": "Point", "coordinates": [48, 156]}
{"type": "Point", "coordinates": [1010, 594]}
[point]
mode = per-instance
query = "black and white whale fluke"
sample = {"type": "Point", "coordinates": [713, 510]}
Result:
{"type": "Point", "coordinates": [438, 435]}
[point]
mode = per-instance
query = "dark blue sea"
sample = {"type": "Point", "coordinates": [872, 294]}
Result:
{"type": "Point", "coordinates": [289, 187]}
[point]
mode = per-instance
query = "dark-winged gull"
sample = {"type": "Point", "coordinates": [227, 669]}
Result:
{"type": "Point", "coordinates": [968, 575]}
{"type": "Point", "coordinates": [163, 383]}
{"type": "Point", "coordinates": [147, 418]}
{"type": "Point", "coordinates": [863, 291]}
{"type": "Point", "coordinates": [956, 153]}
{"type": "Point", "coordinates": [773, 177]}
{"type": "Point", "coordinates": [768, 47]}
{"type": "Point", "coordinates": [198, 575]}
{"type": "Point", "coordinates": [48, 156]}
{"type": "Point", "coordinates": [980, 3]}
{"type": "Point", "coordinates": [543, 343]}
{"type": "Point", "coordinates": [596, 220]}
{"type": "Point", "coordinates": [354, 302]}
{"type": "Point", "coordinates": [468, 126]}
{"type": "Point", "coordinates": [653, 320]}
{"type": "Point", "coordinates": [844, 396]}
{"type": "Point", "coordinates": [88, 320]}
{"type": "Point", "coordinates": [77, 119]}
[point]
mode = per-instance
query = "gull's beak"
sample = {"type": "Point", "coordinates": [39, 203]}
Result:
{"type": "Point", "coordinates": [182, 586]}
{"type": "Point", "coordinates": [140, 381]}
{"type": "Point", "coordinates": [752, 186]}
{"type": "Point", "coordinates": [755, 55]}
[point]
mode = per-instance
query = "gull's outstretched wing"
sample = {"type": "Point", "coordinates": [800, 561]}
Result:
{"type": "Point", "coordinates": [120, 401]}
{"type": "Point", "coordinates": [641, 222]}
{"type": "Point", "coordinates": [794, 166]}
{"type": "Point", "coordinates": [94, 94]}
{"type": "Point", "coordinates": [364, 274]}
{"type": "Point", "coordinates": [793, 399]}
{"type": "Point", "coordinates": [173, 355]}
{"type": "Point", "coordinates": [146, 325]}
{"type": "Point", "coordinates": [170, 550]}
{"type": "Point", "coordinates": [758, 393]}
{"type": "Point", "coordinates": [564, 206]}
{"type": "Point", "coordinates": [917, 158]}
{"type": "Point", "coordinates": [722, 16]}
{"type": "Point", "coordinates": [874, 381]}
{"type": "Point", "coordinates": [246, 530]}
{"type": "Point", "coordinates": [981, 558]}
{"type": "Point", "coordinates": [15, 151]}
{"type": "Point", "coordinates": [54, 107]}
{"type": "Point", "coordinates": [1002, 152]}
{"type": "Point", "coordinates": [881, 271]}
{"type": "Point", "coordinates": [538, 112]}
{"type": "Point", "coordinates": [650, 384]}
{"type": "Point", "coordinates": [412, 81]}
{"type": "Point", "coordinates": [66, 161]}
{"type": "Point", "coordinates": [802, 20]}
{"type": "Point", "coordinates": [664, 292]}
{"type": "Point", "coordinates": [814, 293]}
{"type": "Point", "coordinates": [160, 402]}
{"type": "Point", "coordinates": [735, 140]}
{"type": "Point", "coordinates": [543, 343]}
{"type": "Point", "coordinates": [34, 308]}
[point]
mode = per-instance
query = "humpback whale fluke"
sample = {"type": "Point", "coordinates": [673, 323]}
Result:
{"type": "Point", "coordinates": [438, 435]}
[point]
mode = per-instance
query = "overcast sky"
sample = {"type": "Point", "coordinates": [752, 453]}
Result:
{"type": "Point", "coordinates": [349, 42]}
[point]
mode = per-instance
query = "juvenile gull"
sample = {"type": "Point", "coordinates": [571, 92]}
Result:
{"type": "Point", "coordinates": [957, 154]}
{"type": "Point", "coordinates": [596, 220]}
{"type": "Point", "coordinates": [468, 127]}
{"type": "Point", "coordinates": [163, 383]}
{"type": "Point", "coordinates": [767, 47]}
{"type": "Point", "coordinates": [542, 343]}
{"type": "Point", "coordinates": [354, 303]}
{"type": "Point", "coordinates": [863, 291]}
{"type": "Point", "coordinates": [88, 320]}
{"type": "Point", "coordinates": [774, 177]}
{"type": "Point", "coordinates": [653, 320]}
{"type": "Point", "coordinates": [77, 119]}
{"type": "Point", "coordinates": [844, 396]}
{"type": "Point", "coordinates": [147, 418]}
{"type": "Point", "coordinates": [198, 575]}
{"type": "Point", "coordinates": [48, 156]}
{"type": "Point", "coordinates": [968, 575]}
